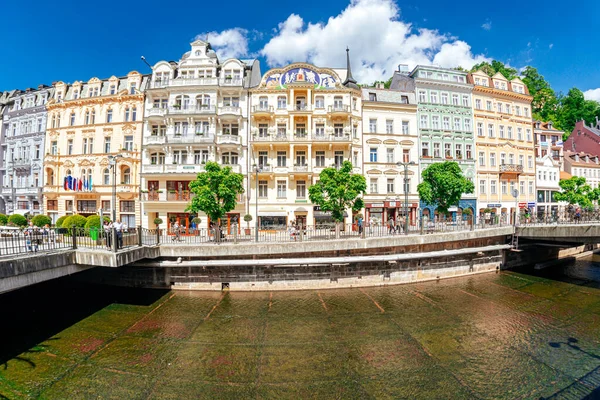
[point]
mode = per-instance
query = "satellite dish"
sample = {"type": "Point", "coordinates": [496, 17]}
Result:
{"type": "Point", "coordinates": [515, 193]}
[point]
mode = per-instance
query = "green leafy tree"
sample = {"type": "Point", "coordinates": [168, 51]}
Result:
{"type": "Point", "coordinates": [77, 220]}
{"type": "Point", "coordinates": [443, 185]}
{"type": "Point", "coordinates": [574, 107]}
{"type": "Point", "coordinates": [575, 190]}
{"type": "Point", "coordinates": [386, 84]}
{"type": "Point", "coordinates": [494, 67]}
{"type": "Point", "coordinates": [216, 191]}
{"type": "Point", "coordinates": [60, 221]}
{"type": "Point", "coordinates": [17, 220]}
{"type": "Point", "coordinates": [93, 221]}
{"type": "Point", "coordinates": [545, 102]}
{"type": "Point", "coordinates": [41, 220]}
{"type": "Point", "coordinates": [337, 190]}
{"type": "Point", "coordinates": [3, 219]}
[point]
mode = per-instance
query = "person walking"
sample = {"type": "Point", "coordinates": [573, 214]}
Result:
{"type": "Point", "coordinates": [118, 226]}
{"type": "Point", "coordinates": [176, 232]}
{"type": "Point", "coordinates": [108, 233]}
{"type": "Point", "coordinates": [32, 242]}
{"type": "Point", "coordinates": [399, 224]}
{"type": "Point", "coordinates": [390, 225]}
{"type": "Point", "coordinates": [360, 225]}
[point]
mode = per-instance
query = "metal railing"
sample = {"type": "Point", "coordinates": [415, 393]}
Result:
{"type": "Point", "coordinates": [31, 240]}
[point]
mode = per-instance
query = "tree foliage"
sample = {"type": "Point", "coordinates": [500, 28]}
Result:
{"type": "Point", "coordinates": [77, 220]}
{"type": "Point", "coordinates": [216, 191]}
{"type": "Point", "coordinates": [3, 219]}
{"type": "Point", "coordinates": [574, 107]}
{"type": "Point", "coordinates": [443, 185]}
{"type": "Point", "coordinates": [41, 220]}
{"type": "Point", "coordinates": [575, 190]}
{"type": "Point", "coordinates": [545, 103]}
{"type": "Point", "coordinates": [338, 190]}
{"type": "Point", "coordinates": [386, 84]}
{"type": "Point", "coordinates": [494, 67]}
{"type": "Point", "coordinates": [93, 221]}
{"type": "Point", "coordinates": [17, 220]}
{"type": "Point", "coordinates": [60, 221]}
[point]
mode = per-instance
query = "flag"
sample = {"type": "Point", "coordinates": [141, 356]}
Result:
{"type": "Point", "coordinates": [80, 184]}
{"type": "Point", "coordinates": [66, 183]}
{"type": "Point", "coordinates": [85, 184]}
{"type": "Point", "coordinates": [90, 184]}
{"type": "Point", "coordinates": [70, 184]}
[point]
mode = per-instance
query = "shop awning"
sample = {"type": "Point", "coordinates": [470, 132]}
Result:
{"type": "Point", "coordinates": [326, 214]}
{"type": "Point", "coordinates": [272, 214]}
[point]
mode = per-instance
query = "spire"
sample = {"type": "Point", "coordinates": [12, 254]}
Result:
{"type": "Point", "coordinates": [350, 81]}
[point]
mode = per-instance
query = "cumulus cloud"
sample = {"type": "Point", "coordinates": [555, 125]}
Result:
{"type": "Point", "coordinates": [230, 43]}
{"type": "Point", "coordinates": [487, 25]}
{"type": "Point", "coordinates": [592, 94]}
{"type": "Point", "coordinates": [377, 38]}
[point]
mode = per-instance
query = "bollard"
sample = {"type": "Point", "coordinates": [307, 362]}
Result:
{"type": "Point", "coordinates": [74, 236]}
{"type": "Point", "coordinates": [140, 241]}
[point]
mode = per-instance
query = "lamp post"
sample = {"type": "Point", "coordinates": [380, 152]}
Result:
{"type": "Point", "coordinates": [112, 161]}
{"type": "Point", "coordinates": [405, 165]}
{"type": "Point", "coordinates": [257, 169]}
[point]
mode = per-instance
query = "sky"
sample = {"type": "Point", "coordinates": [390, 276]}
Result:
{"type": "Point", "coordinates": [74, 40]}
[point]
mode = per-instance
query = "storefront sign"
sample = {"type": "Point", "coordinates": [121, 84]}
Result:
{"type": "Point", "coordinates": [522, 205]}
{"type": "Point", "coordinates": [530, 204]}
{"type": "Point", "coordinates": [452, 209]}
{"type": "Point", "coordinates": [391, 204]}
{"type": "Point", "coordinates": [316, 208]}
{"type": "Point", "coordinates": [373, 205]}
{"type": "Point", "coordinates": [376, 209]}
{"type": "Point", "coordinates": [494, 205]}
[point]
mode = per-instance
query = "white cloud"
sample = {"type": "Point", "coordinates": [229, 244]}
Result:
{"type": "Point", "coordinates": [592, 94]}
{"type": "Point", "coordinates": [551, 46]}
{"type": "Point", "coordinates": [377, 38]}
{"type": "Point", "coordinates": [230, 43]}
{"type": "Point", "coordinates": [487, 25]}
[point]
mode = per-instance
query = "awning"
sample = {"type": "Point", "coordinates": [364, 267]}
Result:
{"type": "Point", "coordinates": [301, 209]}
{"type": "Point", "coordinates": [272, 214]}
{"type": "Point", "coordinates": [326, 214]}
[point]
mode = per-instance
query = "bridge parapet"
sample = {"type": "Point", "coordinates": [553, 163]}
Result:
{"type": "Point", "coordinates": [562, 233]}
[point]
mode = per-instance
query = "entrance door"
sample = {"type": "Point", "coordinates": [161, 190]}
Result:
{"type": "Point", "coordinates": [183, 219]}
{"type": "Point", "coordinates": [301, 220]}
{"type": "Point", "coordinates": [233, 220]}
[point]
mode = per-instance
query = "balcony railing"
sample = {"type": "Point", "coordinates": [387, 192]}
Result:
{"type": "Point", "coordinates": [155, 139]}
{"type": "Point", "coordinates": [300, 107]}
{"type": "Point", "coordinates": [301, 136]}
{"type": "Point", "coordinates": [172, 168]}
{"type": "Point", "coordinates": [198, 109]}
{"type": "Point", "coordinates": [160, 83]}
{"type": "Point", "coordinates": [300, 168]}
{"type": "Point", "coordinates": [511, 168]}
{"type": "Point", "coordinates": [271, 138]}
{"type": "Point", "coordinates": [157, 111]}
{"type": "Point", "coordinates": [262, 108]}
{"type": "Point", "coordinates": [151, 196]}
{"type": "Point", "coordinates": [178, 195]}
{"type": "Point", "coordinates": [231, 82]}
{"type": "Point", "coordinates": [234, 110]}
{"type": "Point", "coordinates": [341, 108]}
{"type": "Point", "coordinates": [194, 82]}
{"type": "Point", "coordinates": [228, 139]}
{"type": "Point", "coordinates": [191, 138]}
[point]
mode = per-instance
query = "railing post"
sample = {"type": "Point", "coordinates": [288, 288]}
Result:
{"type": "Point", "coordinates": [422, 227]}
{"type": "Point", "coordinates": [114, 240]}
{"type": "Point", "coordinates": [157, 235]}
{"type": "Point", "coordinates": [235, 234]}
{"type": "Point", "coordinates": [140, 241]}
{"type": "Point", "coordinates": [472, 222]}
{"type": "Point", "coordinates": [74, 236]}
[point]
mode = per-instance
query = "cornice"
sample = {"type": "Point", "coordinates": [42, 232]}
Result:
{"type": "Point", "coordinates": [493, 92]}
{"type": "Point", "coordinates": [87, 101]}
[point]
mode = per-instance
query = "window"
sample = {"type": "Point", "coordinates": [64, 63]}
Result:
{"type": "Point", "coordinates": [281, 189]}
{"type": "Point", "coordinates": [488, 105]}
{"type": "Point", "coordinates": [128, 143]}
{"type": "Point", "coordinates": [457, 124]}
{"type": "Point", "coordinates": [493, 187]}
{"type": "Point", "coordinates": [70, 147]}
{"type": "Point", "coordinates": [521, 160]}
{"type": "Point", "coordinates": [200, 127]}
{"type": "Point", "coordinates": [422, 96]}
{"type": "Point", "coordinates": [444, 98]}
{"type": "Point", "coordinates": [469, 151]}
{"type": "Point", "coordinates": [479, 129]}
{"type": "Point", "coordinates": [458, 150]}
{"type": "Point", "coordinates": [263, 102]}
{"type": "Point", "coordinates": [512, 187]}
{"type": "Point", "coordinates": [230, 158]}
{"type": "Point", "coordinates": [281, 102]}
{"type": "Point", "coordinates": [436, 150]}
{"type": "Point", "coordinates": [526, 111]}
{"type": "Point", "coordinates": [522, 187]}
{"type": "Point", "coordinates": [109, 115]}
{"type": "Point", "coordinates": [72, 119]}
{"type": "Point", "coordinates": [435, 122]}
{"type": "Point", "coordinates": [446, 123]}
{"type": "Point", "coordinates": [231, 129]}
{"type": "Point", "coordinates": [518, 110]}
{"type": "Point", "coordinates": [319, 102]}
{"type": "Point", "coordinates": [180, 157]}
{"type": "Point", "coordinates": [529, 135]}
{"type": "Point", "coordinates": [455, 100]}
{"type": "Point", "coordinates": [425, 149]}
{"type": "Point", "coordinates": [320, 158]}
{"type": "Point", "coordinates": [53, 148]}
{"type": "Point", "coordinates": [372, 125]}
{"type": "Point", "coordinates": [510, 132]}
{"type": "Point", "coordinates": [492, 159]}
{"type": "Point", "coordinates": [499, 107]}
{"type": "Point", "coordinates": [262, 189]}
{"type": "Point", "coordinates": [263, 158]}
{"type": "Point", "coordinates": [373, 186]}
{"type": "Point", "coordinates": [134, 114]}
{"type": "Point", "coordinates": [467, 125]}
{"type": "Point", "coordinates": [482, 186]}
{"type": "Point", "coordinates": [405, 155]}
{"type": "Point", "coordinates": [406, 185]}
{"type": "Point", "coordinates": [338, 158]}
{"type": "Point", "coordinates": [127, 114]}
{"type": "Point", "coordinates": [38, 151]}
{"type": "Point", "coordinates": [301, 158]}
{"type": "Point", "coordinates": [390, 185]}
{"type": "Point", "coordinates": [92, 119]}
{"type": "Point", "coordinates": [424, 122]}
{"type": "Point", "coordinates": [126, 176]}
{"type": "Point", "coordinates": [106, 177]}
{"type": "Point", "coordinates": [507, 108]}
{"type": "Point", "coordinates": [338, 130]}
{"type": "Point", "coordinates": [389, 126]}
{"type": "Point", "coordinates": [511, 158]}
{"type": "Point", "coordinates": [320, 130]}
{"type": "Point", "coordinates": [465, 100]}
{"type": "Point", "coordinates": [434, 97]}
{"type": "Point", "coordinates": [132, 88]}
{"type": "Point", "coordinates": [501, 131]}
{"type": "Point", "coordinates": [519, 133]}
{"type": "Point", "coordinates": [157, 158]}
{"type": "Point", "coordinates": [481, 159]}
{"type": "Point", "coordinates": [112, 89]}
{"type": "Point", "coordinates": [502, 158]}
{"type": "Point", "coordinates": [504, 187]}
{"type": "Point", "coordinates": [478, 104]}
{"type": "Point", "coordinates": [529, 162]}
{"type": "Point", "coordinates": [281, 158]}
{"type": "Point", "coordinates": [405, 127]}
{"type": "Point", "coordinates": [491, 130]}
{"type": "Point", "coordinates": [448, 150]}
{"type": "Point", "coordinates": [390, 156]}
{"type": "Point", "coordinates": [530, 188]}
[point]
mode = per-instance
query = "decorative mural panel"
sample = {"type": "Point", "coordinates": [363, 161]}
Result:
{"type": "Point", "coordinates": [279, 79]}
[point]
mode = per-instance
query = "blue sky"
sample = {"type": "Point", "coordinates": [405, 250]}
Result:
{"type": "Point", "coordinates": [76, 40]}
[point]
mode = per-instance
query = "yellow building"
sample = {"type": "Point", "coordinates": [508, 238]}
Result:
{"type": "Point", "coordinates": [504, 145]}
{"type": "Point", "coordinates": [90, 127]}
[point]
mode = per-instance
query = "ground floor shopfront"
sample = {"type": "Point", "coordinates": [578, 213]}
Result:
{"type": "Point", "coordinates": [281, 217]}
{"type": "Point", "coordinates": [465, 207]}
{"type": "Point", "coordinates": [380, 213]}
{"type": "Point", "coordinates": [495, 213]}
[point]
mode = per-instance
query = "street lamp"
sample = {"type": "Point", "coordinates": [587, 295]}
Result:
{"type": "Point", "coordinates": [257, 169]}
{"type": "Point", "coordinates": [112, 161]}
{"type": "Point", "coordinates": [405, 165]}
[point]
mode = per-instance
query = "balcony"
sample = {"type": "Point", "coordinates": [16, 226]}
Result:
{"type": "Point", "coordinates": [194, 82]}
{"type": "Point", "coordinates": [178, 195]}
{"type": "Point", "coordinates": [230, 110]}
{"type": "Point", "coordinates": [151, 196]}
{"type": "Point", "coordinates": [511, 169]}
{"type": "Point", "coordinates": [155, 139]}
{"type": "Point", "coordinates": [339, 109]}
{"type": "Point", "coordinates": [157, 84]}
{"type": "Point", "coordinates": [335, 137]}
{"type": "Point", "coordinates": [228, 139]}
{"type": "Point", "coordinates": [262, 109]}
{"type": "Point", "coordinates": [184, 168]}
{"type": "Point", "coordinates": [228, 81]}
{"type": "Point", "coordinates": [300, 108]}
{"type": "Point", "coordinates": [190, 138]}
{"type": "Point", "coordinates": [270, 138]}
{"type": "Point", "coordinates": [157, 112]}
{"type": "Point", "coordinates": [234, 167]}
{"type": "Point", "coordinates": [301, 137]}
{"type": "Point", "coordinates": [202, 109]}
{"type": "Point", "coordinates": [300, 168]}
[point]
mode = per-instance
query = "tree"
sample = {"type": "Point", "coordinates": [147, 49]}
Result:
{"type": "Point", "coordinates": [337, 190]}
{"type": "Point", "coordinates": [60, 221]}
{"type": "Point", "coordinates": [3, 219]}
{"type": "Point", "coordinates": [386, 84]}
{"type": "Point", "coordinates": [93, 221]}
{"type": "Point", "coordinates": [41, 220]}
{"type": "Point", "coordinates": [574, 107]}
{"type": "Point", "coordinates": [216, 192]}
{"type": "Point", "coordinates": [17, 220]}
{"type": "Point", "coordinates": [545, 103]}
{"type": "Point", "coordinates": [443, 185]}
{"type": "Point", "coordinates": [77, 220]}
{"type": "Point", "coordinates": [575, 190]}
{"type": "Point", "coordinates": [495, 67]}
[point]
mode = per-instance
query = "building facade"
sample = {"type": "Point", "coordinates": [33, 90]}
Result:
{"type": "Point", "coordinates": [196, 111]}
{"type": "Point", "coordinates": [548, 165]}
{"type": "Point", "coordinates": [445, 124]}
{"type": "Point", "coordinates": [24, 128]}
{"type": "Point", "coordinates": [390, 136]}
{"type": "Point", "coordinates": [93, 142]}
{"type": "Point", "coordinates": [4, 184]}
{"type": "Point", "coordinates": [303, 119]}
{"type": "Point", "coordinates": [504, 146]}
{"type": "Point", "coordinates": [584, 165]}
{"type": "Point", "coordinates": [584, 138]}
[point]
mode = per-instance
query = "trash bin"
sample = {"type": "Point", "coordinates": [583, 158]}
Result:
{"type": "Point", "coordinates": [94, 233]}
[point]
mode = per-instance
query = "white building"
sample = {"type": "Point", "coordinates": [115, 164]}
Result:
{"type": "Point", "coordinates": [196, 111]}
{"type": "Point", "coordinates": [549, 162]}
{"type": "Point", "coordinates": [390, 135]}
{"type": "Point", "coordinates": [303, 119]}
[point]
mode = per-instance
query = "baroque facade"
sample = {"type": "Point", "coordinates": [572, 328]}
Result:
{"type": "Point", "coordinates": [390, 136]}
{"type": "Point", "coordinates": [196, 111]}
{"type": "Point", "coordinates": [93, 142]}
{"type": "Point", "coordinates": [24, 128]}
{"type": "Point", "coordinates": [303, 119]}
{"type": "Point", "coordinates": [504, 145]}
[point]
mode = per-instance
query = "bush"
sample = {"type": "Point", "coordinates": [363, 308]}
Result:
{"type": "Point", "coordinates": [93, 221]}
{"type": "Point", "coordinates": [60, 221]}
{"type": "Point", "coordinates": [247, 217]}
{"type": "Point", "coordinates": [77, 220]}
{"type": "Point", "coordinates": [41, 220]}
{"type": "Point", "coordinates": [3, 219]}
{"type": "Point", "coordinates": [17, 220]}
{"type": "Point", "coordinates": [158, 221]}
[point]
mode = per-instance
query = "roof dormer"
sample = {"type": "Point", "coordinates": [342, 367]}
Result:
{"type": "Point", "coordinates": [199, 49]}
{"type": "Point", "coordinates": [500, 82]}
{"type": "Point", "coordinates": [517, 86]}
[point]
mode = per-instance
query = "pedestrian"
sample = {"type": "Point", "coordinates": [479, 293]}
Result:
{"type": "Point", "coordinates": [399, 224]}
{"type": "Point", "coordinates": [292, 232]}
{"type": "Point", "coordinates": [360, 225]}
{"type": "Point", "coordinates": [176, 232]}
{"type": "Point", "coordinates": [390, 225]}
{"type": "Point", "coordinates": [118, 226]}
{"type": "Point", "coordinates": [108, 233]}
{"type": "Point", "coordinates": [31, 239]}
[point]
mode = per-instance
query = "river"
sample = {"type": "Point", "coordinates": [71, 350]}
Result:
{"type": "Point", "coordinates": [502, 335]}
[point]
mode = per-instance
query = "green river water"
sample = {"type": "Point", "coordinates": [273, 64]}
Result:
{"type": "Point", "coordinates": [508, 335]}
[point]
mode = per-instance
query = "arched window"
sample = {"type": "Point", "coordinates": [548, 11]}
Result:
{"type": "Point", "coordinates": [229, 158]}
{"type": "Point", "coordinates": [72, 119]}
{"type": "Point", "coordinates": [182, 102]}
{"type": "Point", "coordinates": [50, 177]}
{"type": "Point", "coordinates": [106, 177]}
{"type": "Point", "coordinates": [126, 175]}
{"type": "Point", "coordinates": [87, 117]}
{"type": "Point", "coordinates": [89, 174]}
{"type": "Point", "coordinates": [157, 158]}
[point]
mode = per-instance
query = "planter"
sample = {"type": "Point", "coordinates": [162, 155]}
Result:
{"type": "Point", "coordinates": [247, 231]}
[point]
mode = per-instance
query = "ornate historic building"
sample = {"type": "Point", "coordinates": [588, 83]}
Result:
{"type": "Point", "coordinates": [504, 145]}
{"type": "Point", "coordinates": [93, 141]}
{"type": "Point", "coordinates": [445, 119]}
{"type": "Point", "coordinates": [24, 128]}
{"type": "Point", "coordinates": [548, 165]}
{"type": "Point", "coordinates": [196, 111]}
{"type": "Point", "coordinates": [390, 136]}
{"type": "Point", "coordinates": [303, 119]}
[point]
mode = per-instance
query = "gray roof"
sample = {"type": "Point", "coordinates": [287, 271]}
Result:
{"type": "Point", "coordinates": [388, 95]}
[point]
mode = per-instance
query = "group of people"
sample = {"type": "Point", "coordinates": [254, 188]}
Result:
{"type": "Point", "coordinates": [395, 226]}
{"type": "Point", "coordinates": [36, 236]}
{"type": "Point", "coordinates": [119, 227]}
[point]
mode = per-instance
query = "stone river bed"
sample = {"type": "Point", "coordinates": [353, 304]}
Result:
{"type": "Point", "coordinates": [509, 335]}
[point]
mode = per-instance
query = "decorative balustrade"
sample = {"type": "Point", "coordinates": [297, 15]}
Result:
{"type": "Point", "coordinates": [341, 108]}
{"type": "Point", "coordinates": [262, 108]}
{"type": "Point", "coordinates": [198, 109]}
{"type": "Point", "coordinates": [194, 82]}
{"type": "Point", "coordinates": [511, 168]}
{"type": "Point", "coordinates": [234, 110]}
{"type": "Point", "coordinates": [228, 139]}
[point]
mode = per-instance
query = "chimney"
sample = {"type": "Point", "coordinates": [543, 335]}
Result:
{"type": "Point", "coordinates": [597, 122]}
{"type": "Point", "coordinates": [379, 85]}
{"type": "Point", "coordinates": [403, 69]}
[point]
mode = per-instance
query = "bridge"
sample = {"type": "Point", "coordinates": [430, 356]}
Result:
{"type": "Point", "coordinates": [29, 259]}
